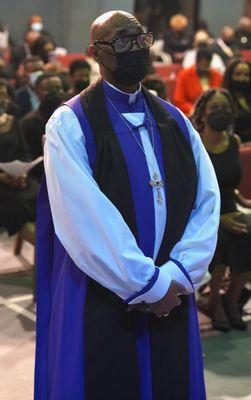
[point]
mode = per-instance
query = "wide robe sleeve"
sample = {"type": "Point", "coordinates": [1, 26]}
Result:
{"type": "Point", "coordinates": [190, 257]}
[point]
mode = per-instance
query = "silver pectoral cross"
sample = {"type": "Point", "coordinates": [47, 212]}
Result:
{"type": "Point", "coordinates": [155, 183]}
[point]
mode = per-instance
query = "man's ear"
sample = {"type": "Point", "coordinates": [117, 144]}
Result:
{"type": "Point", "coordinates": [93, 52]}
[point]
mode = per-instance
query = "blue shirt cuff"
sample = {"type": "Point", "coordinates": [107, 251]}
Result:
{"type": "Point", "coordinates": [178, 273]}
{"type": "Point", "coordinates": [155, 289]}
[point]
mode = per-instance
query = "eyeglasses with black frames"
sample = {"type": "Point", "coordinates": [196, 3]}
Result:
{"type": "Point", "coordinates": [125, 43]}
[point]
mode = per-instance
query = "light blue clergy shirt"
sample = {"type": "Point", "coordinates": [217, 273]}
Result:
{"type": "Point", "coordinates": [95, 234]}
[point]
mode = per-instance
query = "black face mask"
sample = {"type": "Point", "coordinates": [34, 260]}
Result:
{"type": "Point", "coordinates": [51, 101]}
{"type": "Point", "coordinates": [132, 67]}
{"type": "Point", "coordinates": [240, 86]}
{"type": "Point", "coordinates": [219, 120]}
{"type": "Point", "coordinates": [81, 85]}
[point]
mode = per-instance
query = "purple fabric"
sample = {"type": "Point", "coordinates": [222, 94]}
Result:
{"type": "Point", "coordinates": [197, 389]}
{"type": "Point", "coordinates": [61, 291]}
{"type": "Point", "coordinates": [196, 368]}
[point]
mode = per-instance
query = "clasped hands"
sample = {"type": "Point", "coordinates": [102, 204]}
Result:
{"type": "Point", "coordinates": [165, 305]}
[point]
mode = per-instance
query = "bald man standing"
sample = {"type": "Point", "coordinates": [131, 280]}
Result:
{"type": "Point", "coordinates": [127, 220]}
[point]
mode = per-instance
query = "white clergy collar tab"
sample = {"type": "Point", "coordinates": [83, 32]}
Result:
{"type": "Point", "coordinates": [114, 92]}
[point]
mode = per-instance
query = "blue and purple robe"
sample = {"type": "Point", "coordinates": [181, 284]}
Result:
{"type": "Point", "coordinates": [88, 346]}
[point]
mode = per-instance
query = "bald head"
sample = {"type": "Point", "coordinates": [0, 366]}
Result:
{"type": "Point", "coordinates": [122, 68]}
{"type": "Point", "coordinates": [120, 21]}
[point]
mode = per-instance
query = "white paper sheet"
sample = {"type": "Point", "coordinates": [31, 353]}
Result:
{"type": "Point", "coordinates": [17, 167]}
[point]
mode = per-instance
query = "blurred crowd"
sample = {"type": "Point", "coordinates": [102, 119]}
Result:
{"type": "Point", "coordinates": [208, 78]}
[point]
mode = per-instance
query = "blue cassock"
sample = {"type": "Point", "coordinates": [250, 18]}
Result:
{"type": "Point", "coordinates": [88, 346]}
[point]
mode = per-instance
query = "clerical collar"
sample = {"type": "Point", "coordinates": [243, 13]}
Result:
{"type": "Point", "coordinates": [118, 95]}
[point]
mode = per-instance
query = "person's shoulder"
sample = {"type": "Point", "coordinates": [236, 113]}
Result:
{"type": "Point", "coordinates": [65, 121]}
{"type": "Point", "coordinates": [63, 113]}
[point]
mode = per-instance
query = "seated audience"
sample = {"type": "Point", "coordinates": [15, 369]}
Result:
{"type": "Point", "coordinates": [193, 81]}
{"type": "Point", "coordinates": [79, 76]}
{"type": "Point", "coordinates": [26, 96]}
{"type": "Point", "coordinates": [23, 50]}
{"type": "Point", "coordinates": [50, 92]}
{"type": "Point", "coordinates": [17, 195]}
{"type": "Point", "coordinates": [237, 80]}
{"type": "Point", "coordinates": [203, 40]}
{"type": "Point", "coordinates": [213, 117]}
{"type": "Point", "coordinates": [177, 38]}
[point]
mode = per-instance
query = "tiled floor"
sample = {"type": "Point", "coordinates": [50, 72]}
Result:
{"type": "Point", "coordinates": [227, 356]}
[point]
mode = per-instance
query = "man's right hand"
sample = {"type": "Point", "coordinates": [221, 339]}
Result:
{"type": "Point", "coordinates": [169, 301]}
{"type": "Point", "coordinates": [164, 305]}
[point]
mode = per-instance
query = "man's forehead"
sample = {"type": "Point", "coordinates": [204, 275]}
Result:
{"type": "Point", "coordinates": [129, 29]}
{"type": "Point", "coordinates": [117, 25]}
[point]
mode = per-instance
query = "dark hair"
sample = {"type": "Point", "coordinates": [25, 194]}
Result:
{"type": "Point", "coordinates": [46, 75]}
{"type": "Point", "coordinates": [232, 64]}
{"type": "Point", "coordinates": [204, 54]}
{"type": "Point", "coordinates": [200, 105]}
{"type": "Point", "coordinates": [38, 45]}
{"type": "Point", "coordinates": [10, 89]}
{"type": "Point", "coordinates": [78, 64]}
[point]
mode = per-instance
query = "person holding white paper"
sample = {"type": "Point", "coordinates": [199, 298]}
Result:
{"type": "Point", "coordinates": [17, 193]}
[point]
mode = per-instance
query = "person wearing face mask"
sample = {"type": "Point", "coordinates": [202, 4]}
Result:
{"type": "Point", "coordinates": [193, 81]}
{"type": "Point", "coordinates": [237, 80]}
{"type": "Point", "coordinates": [214, 119]}
{"type": "Point", "coordinates": [116, 312]}
{"type": "Point", "coordinates": [36, 24]}
{"type": "Point", "coordinates": [49, 90]}
{"type": "Point", "coordinates": [17, 195]}
{"type": "Point", "coordinates": [80, 76]}
{"type": "Point", "coordinates": [26, 96]}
